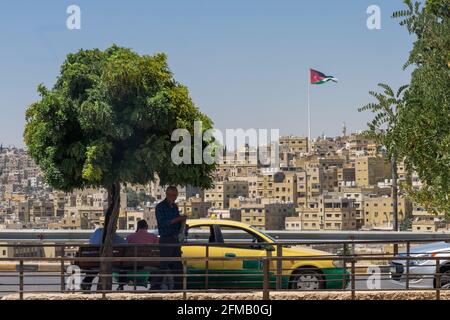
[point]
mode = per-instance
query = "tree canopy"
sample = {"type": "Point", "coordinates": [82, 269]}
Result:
{"type": "Point", "coordinates": [109, 118]}
{"type": "Point", "coordinates": [382, 127]}
{"type": "Point", "coordinates": [423, 126]}
{"type": "Point", "coordinates": [135, 199]}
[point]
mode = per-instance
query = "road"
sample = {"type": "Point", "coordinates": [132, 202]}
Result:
{"type": "Point", "coordinates": [51, 282]}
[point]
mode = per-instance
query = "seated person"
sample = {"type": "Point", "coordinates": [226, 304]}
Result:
{"type": "Point", "coordinates": [142, 235]}
{"type": "Point", "coordinates": [96, 239]}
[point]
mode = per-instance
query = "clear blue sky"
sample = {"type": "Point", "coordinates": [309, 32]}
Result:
{"type": "Point", "coordinates": [244, 61]}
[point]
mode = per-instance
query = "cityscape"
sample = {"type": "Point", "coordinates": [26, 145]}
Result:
{"type": "Point", "coordinates": [343, 183]}
{"type": "Point", "coordinates": [223, 152]}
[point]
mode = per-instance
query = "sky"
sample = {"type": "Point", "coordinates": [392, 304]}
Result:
{"type": "Point", "coordinates": [245, 62]}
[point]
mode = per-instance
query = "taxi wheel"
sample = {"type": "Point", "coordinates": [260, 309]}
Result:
{"type": "Point", "coordinates": [306, 279]}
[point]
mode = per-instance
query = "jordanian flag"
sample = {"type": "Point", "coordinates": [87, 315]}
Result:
{"type": "Point", "coordinates": [319, 78]}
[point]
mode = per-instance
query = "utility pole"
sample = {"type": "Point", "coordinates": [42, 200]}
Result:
{"type": "Point", "coordinates": [394, 192]}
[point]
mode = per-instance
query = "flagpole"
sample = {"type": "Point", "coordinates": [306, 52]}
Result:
{"type": "Point", "coordinates": [309, 114]}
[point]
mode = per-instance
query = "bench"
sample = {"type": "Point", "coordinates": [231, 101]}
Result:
{"type": "Point", "coordinates": [122, 269]}
{"type": "Point", "coordinates": [118, 251]}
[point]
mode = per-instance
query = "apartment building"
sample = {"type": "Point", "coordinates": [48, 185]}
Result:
{"type": "Point", "coordinates": [286, 158]}
{"type": "Point", "coordinates": [266, 216]}
{"type": "Point", "coordinates": [41, 210]}
{"type": "Point", "coordinates": [225, 214]}
{"type": "Point", "coordinates": [324, 147]}
{"type": "Point", "coordinates": [278, 185]}
{"type": "Point", "coordinates": [328, 212]}
{"type": "Point", "coordinates": [294, 145]}
{"type": "Point", "coordinates": [293, 223]}
{"type": "Point", "coordinates": [73, 220]}
{"type": "Point", "coordinates": [371, 170]}
{"type": "Point", "coordinates": [425, 221]}
{"type": "Point", "coordinates": [302, 187]}
{"type": "Point", "coordinates": [252, 182]}
{"type": "Point", "coordinates": [320, 179]}
{"type": "Point", "coordinates": [22, 210]}
{"type": "Point", "coordinates": [132, 218]}
{"type": "Point", "coordinates": [219, 196]}
{"type": "Point", "coordinates": [358, 145]}
{"type": "Point", "coordinates": [59, 202]}
{"type": "Point", "coordinates": [226, 171]}
{"type": "Point", "coordinates": [194, 207]}
{"type": "Point", "coordinates": [82, 217]}
{"type": "Point", "coordinates": [346, 176]}
{"type": "Point", "coordinates": [378, 211]}
{"type": "Point", "coordinates": [358, 194]}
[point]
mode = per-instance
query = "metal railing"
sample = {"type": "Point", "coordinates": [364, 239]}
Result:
{"type": "Point", "coordinates": [271, 267]}
{"type": "Point", "coordinates": [67, 236]}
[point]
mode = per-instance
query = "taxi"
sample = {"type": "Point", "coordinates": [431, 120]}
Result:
{"type": "Point", "coordinates": [237, 247]}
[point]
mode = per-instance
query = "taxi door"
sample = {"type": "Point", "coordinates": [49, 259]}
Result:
{"type": "Point", "coordinates": [197, 239]}
{"type": "Point", "coordinates": [246, 272]}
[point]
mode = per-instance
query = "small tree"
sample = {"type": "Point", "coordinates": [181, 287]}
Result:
{"type": "Point", "coordinates": [385, 109]}
{"type": "Point", "coordinates": [423, 124]}
{"type": "Point", "coordinates": [108, 121]}
{"type": "Point", "coordinates": [132, 198]}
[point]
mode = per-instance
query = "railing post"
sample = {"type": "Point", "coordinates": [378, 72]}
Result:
{"type": "Point", "coordinates": [353, 285]}
{"type": "Point", "coordinates": [408, 251]}
{"type": "Point", "coordinates": [100, 282]}
{"type": "Point", "coordinates": [438, 280]}
{"type": "Point", "coordinates": [135, 268]}
{"type": "Point", "coordinates": [395, 248]}
{"type": "Point", "coordinates": [207, 267]}
{"type": "Point", "coordinates": [279, 266]}
{"type": "Point", "coordinates": [344, 262]}
{"type": "Point", "coordinates": [266, 279]}
{"type": "Point", "coordinates": [184, 280]}
{"type": "Point", "coordinates": [21, 280]}
{"type": "Point", "coordinates": [62, 275]}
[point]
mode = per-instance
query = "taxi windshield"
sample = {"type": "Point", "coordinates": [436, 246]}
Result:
{"type": "Point", "coordinates": [261, 232]}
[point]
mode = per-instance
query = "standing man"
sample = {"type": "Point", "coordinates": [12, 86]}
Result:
{"type": "Point", "coordinates": [169, 226]}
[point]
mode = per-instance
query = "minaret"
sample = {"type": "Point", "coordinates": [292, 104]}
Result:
{"type": "Point", "coordinates": [344, 130]}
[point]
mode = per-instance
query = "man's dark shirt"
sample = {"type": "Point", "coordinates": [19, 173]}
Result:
{"type": "Point", "coordinates": [164, 215]}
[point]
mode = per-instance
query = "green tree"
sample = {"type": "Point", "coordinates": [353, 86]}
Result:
{"type": "Point", "coordinates": [383, 130]}
{"type": "Point", "coordinates": [132, 198]}
{"type": "Point", "coordinates": [143, 197]}
{"type": "Point", "coordinates": [108, 121]}
{"type": "Point", "coordinates": [424, 121]}
{"type": "Point", "coordinates": [135, 199]}
{"type": "Point", "coordinates": [406, 224]}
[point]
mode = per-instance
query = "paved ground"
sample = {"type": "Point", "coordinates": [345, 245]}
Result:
{"type": "Point", "coordinates": [252, 295]}
{"type": "Point", "coordinates": [51, 282]}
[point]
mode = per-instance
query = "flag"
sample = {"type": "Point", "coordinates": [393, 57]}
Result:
{"type": "Point", "coordinates": [319, 78]}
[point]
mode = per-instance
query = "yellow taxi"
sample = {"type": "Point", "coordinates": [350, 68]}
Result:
{"type": "Point", "coordinates": [231, 240]}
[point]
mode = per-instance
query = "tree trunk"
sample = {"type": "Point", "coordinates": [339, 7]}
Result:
{"type": "Point", "coordinates": [109, 232]}
{"type": "Point", "coordinates": [394, 192]}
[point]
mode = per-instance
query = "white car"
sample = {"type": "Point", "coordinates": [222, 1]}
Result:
{"type": "Point", "coordinates": [422, 273]}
